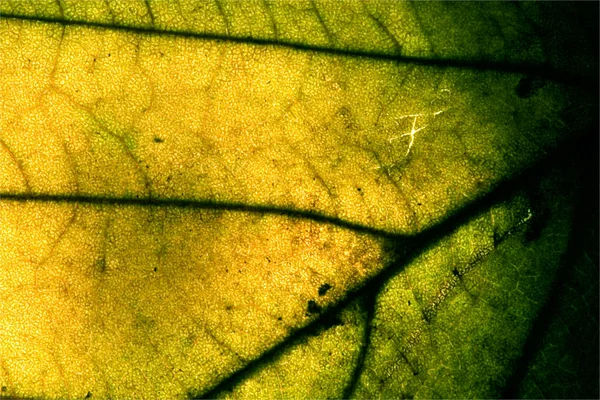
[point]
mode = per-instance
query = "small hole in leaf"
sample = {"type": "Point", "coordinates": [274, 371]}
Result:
{"type": "Point", "coordinates": [324, 289]}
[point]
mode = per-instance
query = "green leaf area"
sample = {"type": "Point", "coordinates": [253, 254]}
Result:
{"type": "Point", "coordinates": [298, 199]}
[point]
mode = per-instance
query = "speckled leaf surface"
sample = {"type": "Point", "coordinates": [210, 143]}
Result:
{"type": "Point", "coordinates": [287, 199]}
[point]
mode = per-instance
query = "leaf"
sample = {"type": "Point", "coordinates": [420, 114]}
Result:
{"type": "Point", "coordinates": [454, 304]}
{"type": "Point", "coordinates": [194, 193]}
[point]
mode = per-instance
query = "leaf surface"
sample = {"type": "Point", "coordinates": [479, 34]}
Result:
{"type": "Point", "coordinates": [188, 186]}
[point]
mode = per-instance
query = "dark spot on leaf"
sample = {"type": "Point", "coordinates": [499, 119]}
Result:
{"type": "Point", "coordinates": [324, 289]}
{"type": "Point", "coordinates": [279, 318]}
{"type": "Point", "coordinates": [158, 140]}
{"type": "Point", "coordinates": [359, 189]}
{"type": "Point", "coordinates": [88, 395]}
{"type": "Point", "coordinates": [529, 85]}
{"type": "Point", "coordinates": [313, 307]}
{"type": "Point", "coordinates": [4, 388]}
{"type": "Point", "coordinates": [455, 272]}
{"type": "Point", "coordinates": [228, 307]}
{"type": "Point", "coordinates": [155, 269]}
{"type": "Point", "coordinates": [409, 302]}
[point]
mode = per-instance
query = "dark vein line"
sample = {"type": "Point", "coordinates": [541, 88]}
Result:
{"type": "Point", "coordinates": [224, 16]}
{"type": "Point", "coordinates": [369, 305]}
{"type": "Point", "coordinates": [383, 28]}
{"type": "Point", "coordinates": [150, 13]}
{"type": "Point", "coordinates": [196, 204]}
{"type": "Point", "coordinates": [60, 8]}
{"type": "Point", "coordinates": [498, 191]}
{"type": "Point", "coordinates": [18, 164]}
{"type": "Point", "coordinates": [588, 82]}
{"type": "Point", "coordinates": [56, 242]}
{"type": "Point", "coordinates": [330, 37]}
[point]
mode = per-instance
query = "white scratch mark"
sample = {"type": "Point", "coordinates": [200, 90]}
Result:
{"type": "Point", "coordinates": [412, 132]}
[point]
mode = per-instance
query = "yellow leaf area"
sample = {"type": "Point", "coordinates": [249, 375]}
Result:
{"type": "Point", "coordinates": [126, 300]}
{"type": "Point", "coordinates": [392, 147]}
{"type": "Point", "coordinates": [173, 206]}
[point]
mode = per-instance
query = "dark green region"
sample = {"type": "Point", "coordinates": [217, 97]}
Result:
{"type": "Point", "coordinates": [561, 356]}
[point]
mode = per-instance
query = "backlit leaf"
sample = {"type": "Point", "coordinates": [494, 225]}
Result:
{"type": "Point", "coordinates": [283, 199]}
